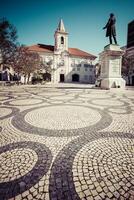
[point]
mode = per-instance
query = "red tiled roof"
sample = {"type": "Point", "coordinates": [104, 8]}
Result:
{"type": "Point", "coordinates": [50, 49]}
{"type": "Point", "coordinates": [41, 48]}
{"type": "Point", "coordinates": [80, 53]}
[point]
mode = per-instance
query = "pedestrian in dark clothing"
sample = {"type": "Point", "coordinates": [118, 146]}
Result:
{"type": "Point", "coordinates": [111, 30]}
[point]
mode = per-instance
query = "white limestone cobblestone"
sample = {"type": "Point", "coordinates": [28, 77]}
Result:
{"type": "Point", "coordinates": [90, 165]}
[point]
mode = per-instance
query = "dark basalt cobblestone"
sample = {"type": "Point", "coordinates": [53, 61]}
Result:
{"type": "Point", "coordinates": [19, 122]}
{"type": "Point", "coordinates": [15, 187]}
{"type": "Point", "coordinates": [62, 178]}
{"type": "Point", "coordinates": [14, 111]}
{"type": "Point", "coordinates": [94, 162]}
{"type": "Point", "coordinates": [9, 103]}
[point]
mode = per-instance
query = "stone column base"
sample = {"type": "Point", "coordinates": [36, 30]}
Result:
{"type": "Point", "coordinates": [108, 83]}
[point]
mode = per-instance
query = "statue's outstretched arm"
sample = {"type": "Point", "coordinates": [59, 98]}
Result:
{"type": "Point", "coordinates": [107, 24]}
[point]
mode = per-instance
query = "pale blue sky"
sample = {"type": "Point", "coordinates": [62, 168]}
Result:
{"type": "Point", "coordinates": [36, 20]}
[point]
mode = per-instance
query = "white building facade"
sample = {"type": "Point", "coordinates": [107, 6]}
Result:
{"type": "Point", "coordinates": [130, 53]}
{"type": "Point", "coordinates": [67, 64]}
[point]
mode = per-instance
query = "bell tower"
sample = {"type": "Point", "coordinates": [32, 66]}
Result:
{"type": "Point", "coordinates": [61, 38]}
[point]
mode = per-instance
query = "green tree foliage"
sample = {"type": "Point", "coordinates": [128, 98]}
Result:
{"type": "Point", "coordinates": [127, 64]}
{"type": "Point", "coordinates": [25, 62]}
{"type": "Point", "coordinates": [8, 44]}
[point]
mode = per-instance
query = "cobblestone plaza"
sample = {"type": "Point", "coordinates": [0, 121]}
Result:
{"type": "Point", "coordinates": [66, 142]}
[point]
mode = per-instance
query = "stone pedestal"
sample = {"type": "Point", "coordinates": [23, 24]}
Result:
{"type": "Point", "coordinates": [111, 62]}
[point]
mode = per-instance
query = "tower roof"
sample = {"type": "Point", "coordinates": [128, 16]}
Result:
{"type": "Point", "coordinates": [61, 26]}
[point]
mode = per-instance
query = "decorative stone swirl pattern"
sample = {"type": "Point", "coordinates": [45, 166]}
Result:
{"type": "Point", "coordinates": [106, 169]}
{"type": "Point", "coordinates": [24, 102]}
{"type": "Point", "coordinates": [26, 169]}
{"type": "Point", "coordinates": [108, 102]}
{"type": "Point", "coordinates": [6, 112]}
{"type": "Point", "coordinates": [88, 133]}
{"type": "Point", "coordinates": [74, 117]}
{"type": "Point", "coordinates": [86, 170]}
{"type": "Point", "coordinates": [16, 163]}
{"type": "Point", "coordinates": [61, 121]}
{"type": "Point", "coordinates": [3, 98]}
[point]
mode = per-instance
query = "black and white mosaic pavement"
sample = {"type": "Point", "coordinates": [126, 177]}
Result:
{"type": "Point", "coordinates": [22, 166]}
{"type": "Point", "coordinates": [67, 142]}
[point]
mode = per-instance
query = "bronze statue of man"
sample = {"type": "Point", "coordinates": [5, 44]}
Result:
{"type": "Point", "coordinates": [111, 30]}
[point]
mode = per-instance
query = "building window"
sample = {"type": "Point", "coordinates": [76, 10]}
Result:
{"type": "Point", "coordinates": [86, 65]}
{"type": "Point", "coordinates": [62, 40]}
{"type": "Point", "coordinates": [73, 61]}
{"type": "Point", "coordinates": [78, 68]}
{"type": "Point", "coordinates": [73, 69]}
{"type": "Point", "coordinates": [79, 65]}
{"type": "Point", "coordinates": [85, 77]}
{"type": "Point", "coordinates": [61, 63]}
{"type": "Point", "coordinates": [90, 79]}
{"type": "Point", "coordinates": [77, 61]}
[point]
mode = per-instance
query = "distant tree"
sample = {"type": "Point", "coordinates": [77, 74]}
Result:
{"type": "Point", "coordinates": [46, 66]}
{"type": "Point", "coordinates": [30, 63]}
{"type": "Point", "coordinates": [8, 37]}
{"type": "Point", "coordinates": [25, 62]}
{"type": "Point", "coordinates": [11, 54]}
{"type": "Point", "coordinates": [17, 59]}
{"type": "Point", "coordinates": [127, 64]}
{"type": "Point", "coordinates": [97, 70]}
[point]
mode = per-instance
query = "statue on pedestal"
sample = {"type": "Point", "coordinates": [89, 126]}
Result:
{"type": "Point", "coordinates": [111, 30]}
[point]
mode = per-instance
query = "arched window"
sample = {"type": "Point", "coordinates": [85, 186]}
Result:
{"type": "Point", "coordinates": [62, 40]}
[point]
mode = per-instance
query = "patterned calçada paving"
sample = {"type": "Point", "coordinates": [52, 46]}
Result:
{"type": "Point", "coordinates": [67, 143]}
